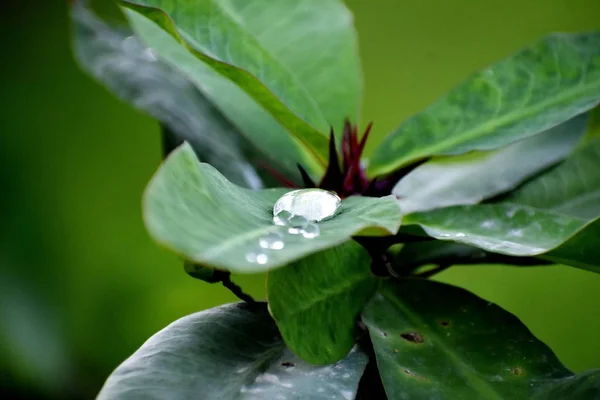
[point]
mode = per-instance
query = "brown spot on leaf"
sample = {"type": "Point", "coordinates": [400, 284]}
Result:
{"type": "Point", "coordinates": [412, 337]}
{"type": "Point", "coordinates": [395, 350]}
{"type": "Point", "coordinates": [444, 323]}
{"type": "Point", "coordinates": [517, 371]}
{"type": "Point", "coordinates": [288, 364]}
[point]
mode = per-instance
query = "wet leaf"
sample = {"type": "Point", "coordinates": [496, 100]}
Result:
{"type": "Point", "coordinates": [434, 340]}
{"type": "Point", "coordinates": [473, 177]}
{"type": "Point", "coordinates": [315, 301]}
{"type": "Point", "coordinates": [541, 86]}
{"type": "Point", "coordinates": [226, 353]}
{"type": "Point", "coordinates": [192, 209]}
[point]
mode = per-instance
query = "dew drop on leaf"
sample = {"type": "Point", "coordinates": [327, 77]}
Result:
{"type": "Point", "coordinates": [314, 204]}
{"type": "Point", "coordinates": [311, 231]}
{"type": "Point", "coordinates": [272, 241]}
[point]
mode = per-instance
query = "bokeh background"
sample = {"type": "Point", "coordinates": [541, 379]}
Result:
{"type": "Point", "coordinates": [81, 283]}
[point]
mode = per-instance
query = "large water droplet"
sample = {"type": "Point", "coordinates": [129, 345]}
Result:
{"type": "Point", "coordinates": [257, 258]}
{"type": "Point", "coordinates": [311, 231]}
{"type": "Point", "coordinates": [296, 224]}
{"type": "Point", "coordinates": [272, 241]}
{"type": "Point", "coordinates": [313, 204]}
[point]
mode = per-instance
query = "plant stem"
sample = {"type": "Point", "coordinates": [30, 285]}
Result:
{"type": "Point", "coordinates": [236, 290]}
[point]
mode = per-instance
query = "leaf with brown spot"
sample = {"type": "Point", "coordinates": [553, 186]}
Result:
{"type": "Point", "coordinates": [485, 353]}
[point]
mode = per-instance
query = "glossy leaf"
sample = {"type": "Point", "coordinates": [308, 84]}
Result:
{"type": "Point", "coordinates": [129, 69]}
{"type": "Point", "coordinates": [316, 300]}
{"type": "Point", "coordinates": [541, 86]}
{"type": "Point", "coordinates": [258, 126]}
{"type": "Point", "coordinates": [572, 188]}
{"type": "Point", "coordinates": [228, 353]}
{"type": "Point", "coordinates": [436, 341]}
{"type": "Point", "coordinates": [192, 209]}
{"type": "Point", "coordinates": [473, 177]}
{"type": "Point", "coordinates": [235, 41]}
{"type": "Point", "coordinates": [516, 230]}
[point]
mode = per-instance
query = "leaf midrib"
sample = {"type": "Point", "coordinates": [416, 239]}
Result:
{"type": "Point", "coordinates": [488, 391]}
{"type": "Point", "coordinates": [492, 125]}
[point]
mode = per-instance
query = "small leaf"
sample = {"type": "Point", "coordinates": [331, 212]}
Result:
{"type": "Point", "coordinates": [129, 69]}
{"type": "Point", "coordinates": [236, 42]}
{"type": "Point", "coordinates": [543, 85]}
{"type": "Point", "coordinates": [228, 353]}
{"type": "Point", "coordinates": [434, 340]}
{"type": "Point", "coordinates": [316, 300]}
{"type": "Point", "coordinates": [192, 209]}
{"type": "Point", "coordinates": [473, 177]}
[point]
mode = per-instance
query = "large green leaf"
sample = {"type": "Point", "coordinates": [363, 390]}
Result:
{"type": "Point", "coordinates": [116, 58]}
{"type": "Point", "coordinates": [259, 127]}
{"type": "Point", "coordinates": [473, 177]}
{"type": "Point", "coordinates": [316, 300]}
{"type": "Point", "coordinates": [275, 63]}
{"type": "Point", "coordinates": [192, 209]}
{"type": "Point", "coordinates": [436, 341]}
{"type": "Point", "coordinates": [543, 85]}
{"type": "Point", "coordinates": [228, 353]}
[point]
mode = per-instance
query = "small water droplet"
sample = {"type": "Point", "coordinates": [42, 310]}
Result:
{"type": "Point", "coordinates": [311, 231]}
{"type": "Point", "coordinates": [460, 234]}
{"type": "Point", "coordinates": [150, 54]}
{"type": "Point", "coordinates": [257, 258]}
{"type": "Point", "coordinates": [297, 224]}
{"type": "Point", "coordinates": [516, 232]}
{"type": "Point", "coordinates": [272, 241]}
{"type": "Point", "coordinates": [313, 204]}
{"type": "Point", "coordinates": [488, 224]}
{"type": "Point", "coordinates": [282, 217]}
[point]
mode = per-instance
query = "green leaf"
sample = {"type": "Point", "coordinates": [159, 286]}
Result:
{"type": "Point", "coordinates": [572, 188]}
{"type": "Point", "coordinates": [555, 216]}
{"type": "Point", "coordinates": [516, 230]}
{"type": "Point", "coordinates": [473, 177]}
{"type": "Point", "coordinates": [258, 126]}
{"type": "Point", "coordinates": [316, 300]}
{"type": "Point", "coordinates": [116, 58]}
{"type": "Point", "coordinates": [228, 353]}
{"type": "Point", "coordinates": [275, 63]}
{"type": "Point", "coordinates": [543, 85]}
{"type": "Point", "coordinates": [434, 340]}
{"type": "Point", "coordinates": [192, 209]}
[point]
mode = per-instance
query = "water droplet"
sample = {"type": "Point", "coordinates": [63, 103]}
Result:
{"type": "Point", "coordinates": [311, 231]}
{"type": "Point", "coordinates": [297, 224]}
{"type": "Point", "coordinates": [272, 241]}
{"type": "Point", "coordinates": [516, 232]}
{"type": "Point", "coordinates": [460, 234]}
{"type": "Point", "coordinates": [489, 224]}
{"type": "Point", "coordinates": [313, 204]}
{"type": "Point", "coordinates": [150, 54]}
{"type": "Point", "coordinates": [257, 258]}
{"type": "Point", "coordinates": [282, 217]}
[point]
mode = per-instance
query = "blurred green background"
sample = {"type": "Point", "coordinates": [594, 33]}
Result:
{"type": "Point", "coordinates": [81, 283]}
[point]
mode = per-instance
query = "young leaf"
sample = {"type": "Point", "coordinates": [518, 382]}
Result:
{"type": "Point", "coordinates": [434, 340]}
{"type": "Point", "coordinates": [316, 300]}
{"type": "Point", "coordinates": [543, 85]}
{"type": "Point", "coordinates": [116, 58]}
{"type": "Point", "coordinates": [192, 209]}
{"type": "Point", "coordinates": [250, 46]}
{"type": "Point", "coordinates": [473, 177]}
{"type": "Point", "coordinates": [228, 353]}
